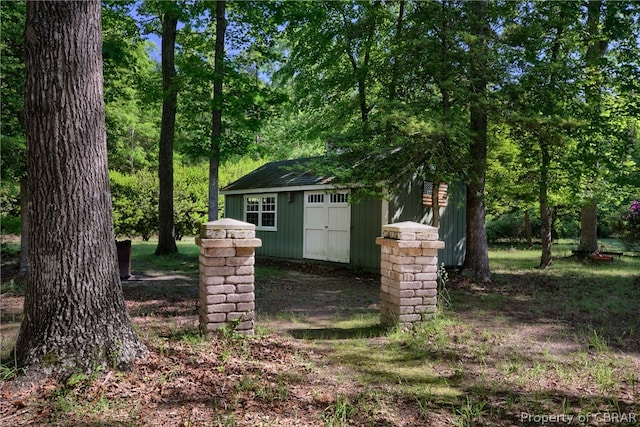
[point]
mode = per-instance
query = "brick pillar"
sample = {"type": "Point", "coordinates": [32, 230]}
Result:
{"type": "Point", "coordinates": [409, 270]}
{"type": "Point", "coordinates": [227, 259]}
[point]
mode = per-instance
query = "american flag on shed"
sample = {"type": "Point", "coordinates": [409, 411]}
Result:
{"type": "Point", "coordinates": [427, 194]}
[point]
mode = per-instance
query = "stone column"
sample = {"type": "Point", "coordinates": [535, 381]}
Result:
{"type": "Point", "coordinates": [227, 259]}
{"type": "Point", "coordinates": [409, 270]}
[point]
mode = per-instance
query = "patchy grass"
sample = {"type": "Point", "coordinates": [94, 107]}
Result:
{"type": "Point", "coordinates": [533, 345]}
{"type": "Point", "coordinates": [144, 260]}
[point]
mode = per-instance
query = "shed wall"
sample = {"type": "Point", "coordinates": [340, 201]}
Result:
{"type": "Point", "coordinates": [407, 205]}
{"type": "Point", "coordinates": [286, 242]}
{"type": "Point", "coordinates": [366, 225]}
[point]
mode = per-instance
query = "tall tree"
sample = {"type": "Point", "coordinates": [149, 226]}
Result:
{"type": "Point", "coordinates": [166, 229]}
{"type": "Point", "coordinates": [596, 47]}
{"type": "Point", "coordinates": [542, 90]}
{"type": "Point", "coordinates": [216, 116]}
{"type": "Point", "coordinates": [477, 256]}
{"type": "Point", "coordinates": [75, 316]}
{"type": "Point", "coordinates": [602, 141]}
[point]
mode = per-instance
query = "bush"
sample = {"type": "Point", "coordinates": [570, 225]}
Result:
{"type": "Point", "coordinates": [10, 208]}
{"type": "Point", "coordinates": [190, 199]}
{"type": "Point", "coordinates": [627, 226]}
{"type": "Point", "coordinates": [505, 227]}
{"type": "Point", "coordinates": [135, 203]}
{"type": "Point", "coordinates": [568, 228]}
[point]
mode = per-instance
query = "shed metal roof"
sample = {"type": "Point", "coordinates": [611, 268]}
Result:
{"type": "Point", "coordinates": [288, 175]}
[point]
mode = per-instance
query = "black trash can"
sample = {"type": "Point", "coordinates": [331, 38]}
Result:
{"type": "Point", "coordinates": [124, 258]}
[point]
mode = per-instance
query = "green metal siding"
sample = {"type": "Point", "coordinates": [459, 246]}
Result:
{"type": "Point", "coordinates": [366, 225]}
{"type": "Point", "coordinates": [286, 242]}
{"type": "Point", "coordinates": [234, 207]}
{"type": "Point", "coordinates": [407, 206]}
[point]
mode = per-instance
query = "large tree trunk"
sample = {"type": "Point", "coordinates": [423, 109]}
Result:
{"type": "Point", "coordinates": [166, 229]}
{"type": "Point", "coordinates": [589, 227]}
{"type": "Point", "coordinates": [476, 260]}
{"type": "Point", "coordinates": [596, 48]}
{"type": "Point", "coordinates": [216, 131]}
{"type": "Point", "coordinates": [74, 311]}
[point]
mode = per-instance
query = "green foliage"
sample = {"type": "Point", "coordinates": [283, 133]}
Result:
{"type": "Point", "coordinates": [510, 227]}
{"type": "Point", "coordinates": [135, 197]}
{"type": "Point", "coordinates": [505, 227]}
{"type": "Point", "coordinates": [12, 136]}
{"type": "Point", "coordinates": [135, 203]}
{"type": "Point", "coordinates": [131, 91]}
{"type": "Point", "coordinates": [627, 226]}
{"type": "Point", "coordinates": [191, 186]}
{"type": "Point", "coordinates": [12, 17]}
{"type": "Point", "coordinates": [10, 207]}
{"type": "Point", "coordinates": [248, 101]}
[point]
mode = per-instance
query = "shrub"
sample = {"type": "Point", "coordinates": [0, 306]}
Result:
{"type": "Point", "coordinates": [627, 226]}
{"type": "Point", "coordinates": [567, 228]}
{"type": "Point", "coordinates": [190, 199]}
{"type": "Point", "coordinates": [505, 227]}
{"type": "Point", "coordinates": [10, 207]}
{"type": "Point", "coordinates": [135, 203]}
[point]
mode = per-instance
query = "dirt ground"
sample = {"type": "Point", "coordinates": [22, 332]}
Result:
{"type": "Point", "coordinates": [288, 375]}
{"type": "Point", "coordinates": [290, 298]}
{"type": "Point", "coordinates": [287, 295]}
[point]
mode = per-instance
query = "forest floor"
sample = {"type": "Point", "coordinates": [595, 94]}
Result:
{"type": "Point", "coordinates": [514, 352]}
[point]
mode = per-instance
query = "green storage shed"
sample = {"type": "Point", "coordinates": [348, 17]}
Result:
{"type": "Point", "coordinates": [302, 216]}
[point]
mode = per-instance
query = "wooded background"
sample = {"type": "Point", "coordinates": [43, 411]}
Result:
{"type": "Point", "coordinates": [548, 90]}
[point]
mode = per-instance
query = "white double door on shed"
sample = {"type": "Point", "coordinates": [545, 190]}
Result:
{"type": "Point", "coordinates": [327, 226]}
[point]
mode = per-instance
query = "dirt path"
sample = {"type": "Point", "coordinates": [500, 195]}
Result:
{"type": "Point", "coordinates": [285, 298]}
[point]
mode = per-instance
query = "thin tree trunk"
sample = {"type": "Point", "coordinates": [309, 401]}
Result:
{"type": "Point", "coordinates": [527, 229]}
{"type": "Point", "coordinates": [166, 227]}
{"type": "Point", "coordinates": [393, 84]}
{"type": "Point", "coordinates": [216, 131]}
{"type": "Point", "coordinates": [545, 209]}
{"type": "Point", "coordinates": [435, 211]}
{"type": "Point", "coordinates": [545, 138]}
{"type": "Point", "coordinates": [24, 229]}
{"type": "Point", "coordinates": [476, 260]}
{"type": "Point", "coordinates": [74, 311]}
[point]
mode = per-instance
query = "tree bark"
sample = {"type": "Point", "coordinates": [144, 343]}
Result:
{"type": "Point", "coordinates": [24, 232]}
{"type": "Point", "coordinates": [545, 140]}
{"type": "Point", "coordinates": [596, 48]}
{"type": "Point", "coordinates": [216, 125]}
{"type": "Point", "coordinates": [395, 65]}
{"type": "Point", "coordinates": [435, 211]}
{"type": "Point", "coordinates": [476, 260]}
{"type": "Point", "coordinates": [589, 227]}
{"type": "Point", "coordinates": [166, 228]}
{"type": "Point", "coordinates": [528, 234]}
{"type": "Point", "coordinates": [545, 209]}
{"type": "Point", "coordinates": [74, 311]}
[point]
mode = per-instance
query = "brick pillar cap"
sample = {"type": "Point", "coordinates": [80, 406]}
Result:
{"type": "Point", "coordinates": [409, 227]}
{"type": "Point", "coordinates": [229, 224]}
{"type": "Point", "coordinates": [224, 224]}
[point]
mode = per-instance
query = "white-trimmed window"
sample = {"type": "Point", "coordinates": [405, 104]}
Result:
{"type": "Point", "coordinates": [260, 210]}
{"type": "Point", "coordinates": [338, 198]}
{"type": "Point", "coordinates": [315, 198]}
